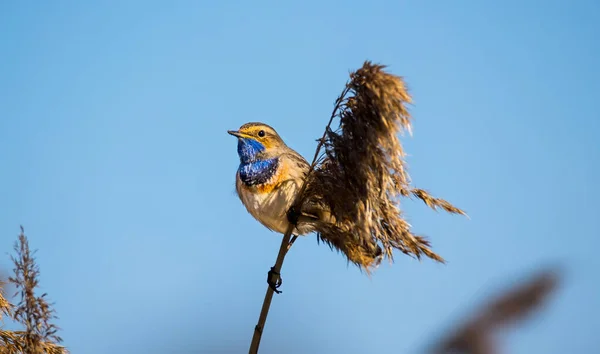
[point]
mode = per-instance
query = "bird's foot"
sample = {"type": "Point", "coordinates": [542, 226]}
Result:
{"type": "Point", "coordinates": [274, 280]}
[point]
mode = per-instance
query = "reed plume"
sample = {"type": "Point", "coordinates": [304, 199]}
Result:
{"type": "Point", "coordinates": [33, 312]}
{"type": "Point", "coordinates": [362, 175]}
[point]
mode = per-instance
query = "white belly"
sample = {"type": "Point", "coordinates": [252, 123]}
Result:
{"type": "Point", "coordinates": [270, 209]}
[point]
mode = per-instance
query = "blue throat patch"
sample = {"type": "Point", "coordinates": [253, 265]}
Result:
{"type": "Point", "coordinates": [254, 170]}
{"type": "Point", "coordinates": [258, 172]}
{"type": "Point", "coordinates": [249, 149]}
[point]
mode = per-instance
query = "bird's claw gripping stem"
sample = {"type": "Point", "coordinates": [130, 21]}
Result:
{"type": "Point", "coordinates": [274, 280]}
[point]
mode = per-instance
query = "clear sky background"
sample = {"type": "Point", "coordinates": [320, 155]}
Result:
{"type": "Point", "coordinates": [114, 157]}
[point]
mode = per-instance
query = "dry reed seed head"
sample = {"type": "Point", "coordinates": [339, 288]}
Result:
{"type": "Point", "coordinates": [362, 174]}
{"type": "Point", "coordinates": [33, 312]}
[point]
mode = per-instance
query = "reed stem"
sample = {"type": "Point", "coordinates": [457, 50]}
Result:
{"type": "Point", "coordinates": [285, 242]}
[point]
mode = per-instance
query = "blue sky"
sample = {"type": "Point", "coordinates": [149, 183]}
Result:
{"type": "Point", "coordinates": [114, 157]}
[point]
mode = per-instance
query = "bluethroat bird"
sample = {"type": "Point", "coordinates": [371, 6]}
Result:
{"type": "Point", "coordinates": [268, 179]}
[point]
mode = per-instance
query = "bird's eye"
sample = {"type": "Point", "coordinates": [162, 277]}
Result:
{"type": "Point", "coordinates": [261, 133]}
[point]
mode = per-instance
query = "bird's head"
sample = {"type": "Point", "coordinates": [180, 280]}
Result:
{"type": "Point", "coordinates": [257, 141]}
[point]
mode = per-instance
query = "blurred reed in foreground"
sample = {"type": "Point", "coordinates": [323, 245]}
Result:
{"type": "Point", "coordinates": [478, 334]}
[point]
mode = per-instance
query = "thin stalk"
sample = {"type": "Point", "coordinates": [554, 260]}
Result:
{"type": "Point", "coordinates": [285, 242]}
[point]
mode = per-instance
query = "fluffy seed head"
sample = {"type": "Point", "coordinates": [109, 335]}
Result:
{"type": "Point", "coordinates": [362, 175]}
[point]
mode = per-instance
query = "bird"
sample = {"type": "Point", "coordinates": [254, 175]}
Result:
{"type": "Point", "coordinates": [268, 179]}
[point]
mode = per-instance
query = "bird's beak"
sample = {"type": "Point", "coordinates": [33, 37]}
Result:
{"type": "Point", "coordinates": [238, 134]}
{"type": "Point", "coordinates": [234, 133]}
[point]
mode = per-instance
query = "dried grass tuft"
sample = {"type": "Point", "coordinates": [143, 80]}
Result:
{"type": "Point", "coordinates": [33, 312]}
{"type": "Point", "coordinates": [362, 174]}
